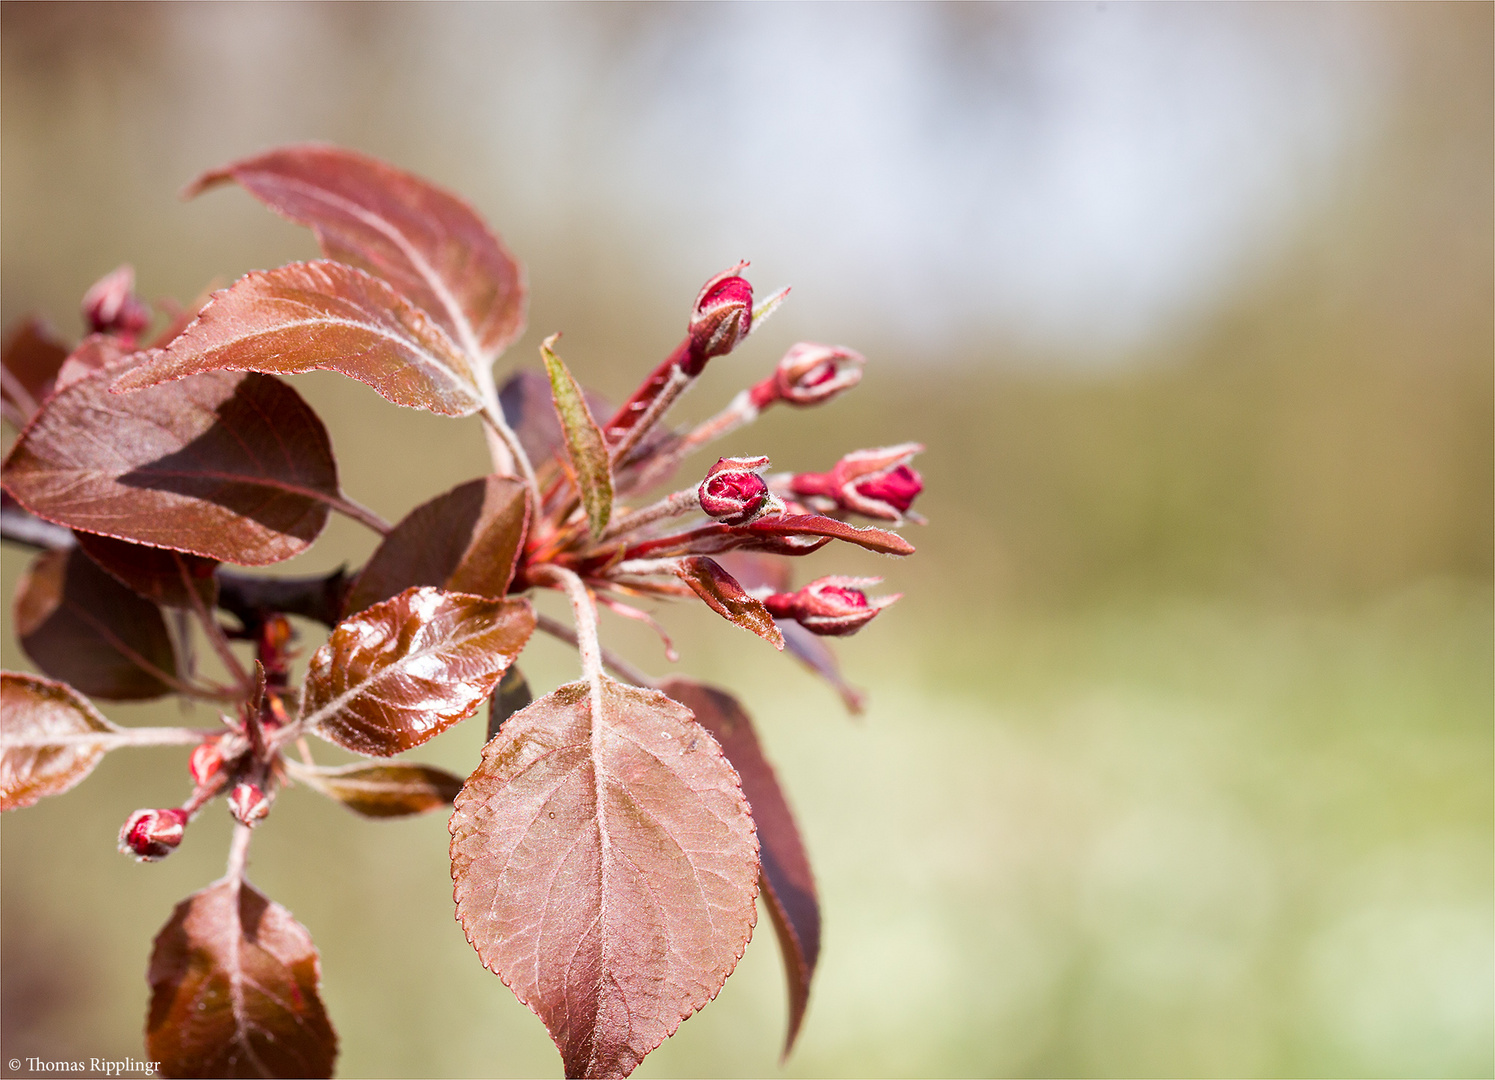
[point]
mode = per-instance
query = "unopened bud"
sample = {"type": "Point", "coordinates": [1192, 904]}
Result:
{"type": "Point", "coordinates": [831, 606]}
{"type": "Point", "coordinates": [875, 483]}
{"type": "Point", "coordinates": [735, 494]}
{"type": "Point", "coordinates": [111, 307]}
{"type": "Point", "coordinates": [206, 762]}
{"type": "Point", "coordinates": [150, 835]}
{"type": "Point", "coordinates": [809, 374]}
{"type": "Point", "coordinates": [248, 803]}
{"type": "Point", "coordinates": [722, 317]}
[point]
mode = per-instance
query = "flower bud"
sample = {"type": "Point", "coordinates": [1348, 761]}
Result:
{"type": "Point", "coordinates": [150, 835]}
{"type": "Point", "coordinates": [809, 374]}
{"type": "Point", "coordinates": [875, 483]}
{"type": "Point", "coordinates": [831, 606]}
{"type": "Point", "coordinates": [111, 307]}
{"type": "Point", "coordinates": [735, 494]}
{"type": "Point", "coordinates": [206, 762]}
{"type": "Point", "coordinates": [722, 317]}
{"type": "Point", "coordinates": [248, 803]}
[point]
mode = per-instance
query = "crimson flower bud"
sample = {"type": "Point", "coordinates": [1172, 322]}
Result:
{"type": "Point", "coordinates": [831, 606]}
{"type": "Point", "coordinates": [150, 835]}
{"type": "Point", "coordinates": [735, 494]}
{"type": "Point", "coordinates": [722, 317]}
{"type": "Point", "coordinates": [875, 483]}
{"type": "Point", "coordinates": [111, 307]}
{"type": "Point", "coordinates": [248, 803]}
{"type": "Point", "coordinates": [206, 762]}
{"type": "Point", "coordinates": [809, 374]}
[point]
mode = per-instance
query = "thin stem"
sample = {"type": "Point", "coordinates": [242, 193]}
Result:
{"type": "Point", "coordinates": [674, 386]}
{"type": "Point", "coordinates": [216, 637]}
{"type": "Point", "coordinates": [133, 656]}
{"type": "Point", "coordinates": [584, 611]}
{"type": "Point", "coordinates": [238, 852]}
{"type": "Point", "coordinates": [361, 514]}
{"type": "Point", "coordinates": [620, 667]}
{"type": "Point", "coordinates": [680, 502]}
{"type": "Point", "coordinates": [112, 740]}
{"type": "Point", "coordinates": [498, 428]}
{"type": "Point", "coordinates": [739, 411]}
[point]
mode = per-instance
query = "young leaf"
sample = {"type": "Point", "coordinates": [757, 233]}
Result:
{"type": "Point", "coordinates": [405, 670]}
{"type": "Point", "coordinates": [320, 316]}
{"type": "Point", "coordinates": [510, 695]}
{"type": "Point", "coordinates": [878, 540]}
{"type": "Point", "coordinates": [428, 244]}
{"type": "Point", "coordinates": [585, 445]}
{"type": "Point", "coordinates": [606, 868]}
{"type": "Point", "coordinates": [94, 353]}
{"type": "Point", "coordinates": [726, 597]}
{"type": "Point", "coordinates": [228, 466]}
{"type": "Point", "coordinates": [381, 791]}
{"type": "Point", "coordinates": [788, 883]}
{"type": "Point", "coordinates": [160, 574]}
{"type": "Point", "coordinates": [36, 708]}
{"type": "Point", "coordinates": [234, 990]}
{"type": "Point", "coordinates": [80, 625]}
{"type": "Point", "coordinates": [467, 541]}
{"type": "Point", "coordinates": [29, 360]}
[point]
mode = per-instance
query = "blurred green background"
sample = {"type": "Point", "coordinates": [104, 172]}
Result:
{"type": "Point", "coordinates": [1179, 753]}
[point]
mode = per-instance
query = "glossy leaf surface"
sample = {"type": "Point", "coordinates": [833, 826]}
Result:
{"type": "Point", "coordinates": [36, 708]}
{"type": "Point", "coordinates": [381, 791]}
{"type": "Point", "coordinates": [466, 540]}
{"type": "Point", "coordinates": [320, 316]}
{"type": "Point", "coordinates": [229, 466]}
{"type": "Point", "coordinates": [727, 598]}
{"type": "Point", "coordinates": [234, 990]}
{"type": "Point", "coordinates": [79, 624]}
{"type": "Point", "coordinates": [606, 869]}
{"type": "Point", "coordinates": [788, 884]}
{"type": "Point", "coordinates": [585, 445]}
{"type": "Point", "coordinates": [406, 669]}
{"type": "Point", "coordinates": [428, 244]}
{"type": "Point", "coordinates": [29, 361]}
{"type": "Point", "coordinates": [159, 574]}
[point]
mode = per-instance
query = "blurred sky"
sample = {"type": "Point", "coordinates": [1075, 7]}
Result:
{"type": "Point", "coordinates": [1073, 178]}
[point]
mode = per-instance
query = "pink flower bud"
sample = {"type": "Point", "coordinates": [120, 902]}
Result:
{"type": "Point", "coordinates": [809, 374]}
{"type": "Point", "coordinates": [206, 762]}
{"type": "Point", "coordinates": [735, 494]}
{"type": "Point", "coordinates": [875, 483]}
{"type": "Point", "coordinates": [248, 803]}
{"type": "Point", "coordinates": [722, 317]}
{"type": "Point", "coordinates": [111, 307]}
{"type": "Point", "coordinates": [150, 835]}
{"type": "Point", "coordinates": [831, 606]}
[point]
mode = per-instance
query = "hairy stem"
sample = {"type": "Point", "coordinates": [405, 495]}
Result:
{"type": "Point", "coordinates": [361, 514]}
{"type": "Point", "coordinates": [584, 612]}
{"type": "Point", "coordinates": [619, 667]}
{"type": "Point", "coordinates": [238, 853]}
{"type": "Point", "coordinates": [111, 740]}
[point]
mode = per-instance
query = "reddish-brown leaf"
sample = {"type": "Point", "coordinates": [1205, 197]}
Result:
{"type": "Point", "coordinates": [381, 791]}
{"type": "Point", "coordinates": [234, 990]}
{"type": "Point", "coordinates": [80, 625]}
{"type": "Point", "coordinates": [427, 243]}
{"type": "Point", "coordinates": [35, 709]}
{"type": "Point", "coordinates": [510, 695]}
{"type": "Point", "coordinates": [320, 316]}
{"type": "Point", "coordinates": [229, 466]}
{"type": "Point", "coordinates": [160, 574]}
{"type": "Point", "coordinates": [788, 883]}
{"type": "Point", "coordinates": [726, 597]}
{"type": "Point", "coordinates": [406, 669]}
{"type": "Point", "coordinates": [606, 868]}
{"type": "Point", "coordinates": [878, 540]}
{"type": "Point", "coordinates": [94, 353]}
{"type": "Point", "coordinates": [29, 360]}
{"type": "Point", "coordinates": [585, 445]}
{"type": "Point", "coordinates": [466, 541]}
